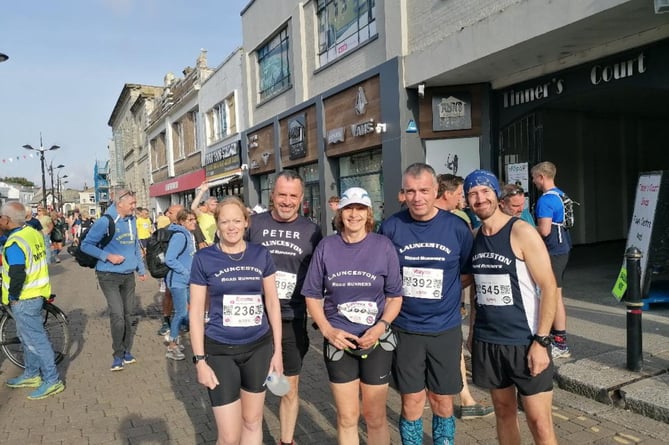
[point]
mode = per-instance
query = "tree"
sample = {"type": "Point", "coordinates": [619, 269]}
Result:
{"type": "Point", "coordinates": [18, 180]}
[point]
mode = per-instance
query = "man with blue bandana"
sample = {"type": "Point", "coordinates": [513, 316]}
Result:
{"type": "Point", "coordinates": [434, 248]}
{"type": "Point", "coordinates": [508, 336]}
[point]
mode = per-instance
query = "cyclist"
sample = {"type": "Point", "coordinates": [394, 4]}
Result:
{"type": "Point", "coordinates": [25, 283]}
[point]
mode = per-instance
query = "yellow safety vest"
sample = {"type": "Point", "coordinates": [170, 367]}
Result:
{"type": "Point", "coordinates": [37, 283]}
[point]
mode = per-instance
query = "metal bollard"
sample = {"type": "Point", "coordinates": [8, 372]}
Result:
{"type": "Point", "coordinates": [634, 305]}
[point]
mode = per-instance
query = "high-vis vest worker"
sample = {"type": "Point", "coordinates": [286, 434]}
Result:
{"type": "Point", "coordinates": [37, 284]}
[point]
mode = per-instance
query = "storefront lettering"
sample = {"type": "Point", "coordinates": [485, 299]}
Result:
{"type": "Point", "coordinates": [362, 128]}
{"type": "Point", "coordinates": [618, 70]}
{"type": "Point", "coordinates": [336, 135]}
{"type": "Point", "coordinates": [221, 153]}
{"type": "Point", "coordinates": [513, 98]}
{"type": "Point", "coordinates": [171, 186]}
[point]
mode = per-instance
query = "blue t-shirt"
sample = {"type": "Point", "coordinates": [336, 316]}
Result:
{"type": "Point", "coordinates": [432, 256]}
{"type": "Point", "coordinates": [236, 301]}
{"type": "Point", "coordinates": [549, 205]}
{"type": "Point", "coordinates": [354, 279]}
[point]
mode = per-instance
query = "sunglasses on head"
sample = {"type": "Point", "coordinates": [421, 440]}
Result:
{"type": "Point", "coordinates": [127, 193]}
{"type": "Point", "coordinates": [514, 192]}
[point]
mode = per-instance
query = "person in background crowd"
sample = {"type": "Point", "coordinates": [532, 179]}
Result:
{"type": "Point", "coordinates": [512, 203]}
{"type": "Point", "coordinates": [291, 240]}
{"type": "Point", "coordinates": [434, 249]}
{"type": "Point", "coordinates": [205, 216]}
{"type": "Point", "coordinates": [512, 313]}
{"type": "Point", "coordinates": [167, 304]}
{"type": "Point", "coordinates": [47, 227]}
{"type": "Point", "coordinates": [144, 228]}
{"type": "Point", "coordinates": [76, 226]}
{"type": "Point", "coordinates": [32, 221]}
{"type": "Point", "coordinates": [333, 202]}
{"type": "Point", "coordinates": [57, 235]}
{"type": "Point", "coordinates": [354, 297]}
{"type": "Point", "coordinates": [178, 258]}
{"type": "Point", "coordinates": [550, 224]}
{"type": "Point", "coordinates": [25, 284]}
{"type": "Point", "coordinates": [233, 351]}
{"type": "Point", "coordinates": [450, 198]}
{"type": "Point", "coordinates": [117, 263]}
{"type": "Point", "coordinates": [162, 221]}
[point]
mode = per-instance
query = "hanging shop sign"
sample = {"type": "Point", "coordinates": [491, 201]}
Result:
{"type": "Point", "coordinates": [297, 137]}
{"type": "Point", "coordinates": [181, 183]}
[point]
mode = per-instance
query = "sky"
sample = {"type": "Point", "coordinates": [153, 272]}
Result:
{"type": "Point", "coordinates": [68, 63]}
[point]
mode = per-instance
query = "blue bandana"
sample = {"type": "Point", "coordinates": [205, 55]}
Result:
{"type": "Point", "coordinates": [482, 177]}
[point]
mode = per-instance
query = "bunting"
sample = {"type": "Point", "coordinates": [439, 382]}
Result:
{"type": "Point", "coordinates": [19, 158]}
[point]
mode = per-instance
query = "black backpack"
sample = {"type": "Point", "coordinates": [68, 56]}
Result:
{"type": "Point", "coordinates": [156, 248]}
{"type": "Point", "coordinates": [84, 259]}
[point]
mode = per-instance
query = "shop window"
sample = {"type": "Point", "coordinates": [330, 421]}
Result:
{"type": "Point", "coordinates": [311, 204]}
{"type": "Point", "coordinates": [266, 185]}
{"type": "Point", "coordinates": [364, 170]}
{"type": "Point", "coordinates": [344, 25]}
{"type": "Point", "coordinates": [273, 66]}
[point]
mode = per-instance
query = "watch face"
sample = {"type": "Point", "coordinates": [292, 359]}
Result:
{"type": "Point", "coordinates": [543, 340]}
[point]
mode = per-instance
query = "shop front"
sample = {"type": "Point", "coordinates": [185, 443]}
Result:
{"type": "Point", "coordinates": [353, 139]}
{"type": "Point", "coordinates": [601, 123]}
{"type": "Point", "coordinates": [177, 190]}
{"type": "Point", "coordinates": [223, 170]}
{"type": "Point", "coordinates": [262, 161]}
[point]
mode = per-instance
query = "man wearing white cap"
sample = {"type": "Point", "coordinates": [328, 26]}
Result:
{"type": "Point", "coordinates": [510, 325]}
{"type": "Point", "coordinates": [434, 248]}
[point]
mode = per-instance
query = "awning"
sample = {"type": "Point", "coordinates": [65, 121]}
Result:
{"type": "Point", "coordinates": [225, 178]}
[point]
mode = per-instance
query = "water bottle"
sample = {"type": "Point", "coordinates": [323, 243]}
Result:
{"type": "Point", "coordinates": [278, 384]}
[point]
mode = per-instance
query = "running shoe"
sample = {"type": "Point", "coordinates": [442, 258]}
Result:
{"type": "Point", "coordinates": [46, 389]}
{"type": "Point", "coordinates": [558, 352]}
{"type": "Point", "coordinates": [164, 329]}
{"type": "Point", "coordinates": [24, 382]}
{"type": "Point", "coordinates": [175, 354]}
{"type": "Point", "coordinates": [117, 364]}
{"type": "Point", "coordinates": [128, 358]}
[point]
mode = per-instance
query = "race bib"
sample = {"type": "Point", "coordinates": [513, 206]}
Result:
{"type": "Point", "coordinates": [242, 310]}
{"type": "Point", "coordinates": [422, 282]}
{"type": "Point", "coordinates": [493, 290]}
{"type": "Point", "coordinates": [285, 284]}
{"type": "Point", "coordinates": [360, 312]}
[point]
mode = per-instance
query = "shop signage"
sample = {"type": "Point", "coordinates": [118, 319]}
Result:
{"type": "Point", "coordinates": [452, 112]}
{"type": "Point", "coordinates": [296, 137]}
{"type": "Point", "coordinates": [222, 159]}
{"type": "Point", "coordinates": [617, 70]}
{"type": "Point", "coordinates": [336, 135]}
{"type": "Point", "coordinates": [362, 128]}
{"type": "Point", "coordinates": [360, 102]}
{"type": "Point", "coordinates": [179, 184]}
{"type": "Point", "coordinates": [543, 90]}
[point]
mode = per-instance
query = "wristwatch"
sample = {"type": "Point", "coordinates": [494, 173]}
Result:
{"type": "Point", "coordinates": [386, 324]}
{"type": "Point", "coordinates": [197, 358]}
{"type": "Point", "coordinates": [543, 340]}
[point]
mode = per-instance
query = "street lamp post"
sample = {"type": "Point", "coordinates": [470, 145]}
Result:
{"type": "Point", "coordinates": [53, 195]}
{"type": "Point", "coordinates": [60, 191]}
{"type": "Point", "coordinates": [41, 151]}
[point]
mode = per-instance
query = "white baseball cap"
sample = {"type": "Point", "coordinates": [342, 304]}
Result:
{"type": "Point", "coordinates": [355, 195]}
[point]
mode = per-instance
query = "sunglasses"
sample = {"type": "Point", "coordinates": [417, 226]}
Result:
{"type": "Point", "coordinates": [127, 193]}
{"type": "Point", "coordinates": [516, 191]}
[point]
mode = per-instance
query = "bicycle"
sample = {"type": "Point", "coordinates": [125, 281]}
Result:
{"type": "Point", "coordinates": [57, 328]}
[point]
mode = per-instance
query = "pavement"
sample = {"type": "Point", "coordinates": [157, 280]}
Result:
{"type": "Point", "coordinates": [158, 401]}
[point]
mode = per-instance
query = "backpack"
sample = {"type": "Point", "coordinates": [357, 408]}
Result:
{"type": "Point", "coordinates": [84, 259]}
{"type": "Point", "coordinates": [156, 248]}
{"type": "Point", "coordinates": [567, 207]}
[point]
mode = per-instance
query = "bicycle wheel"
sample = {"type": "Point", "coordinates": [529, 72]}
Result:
{"type": "Point", "coordinates": [9, 340]}
{"type": "Point", "coordinates": [57, 329]}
